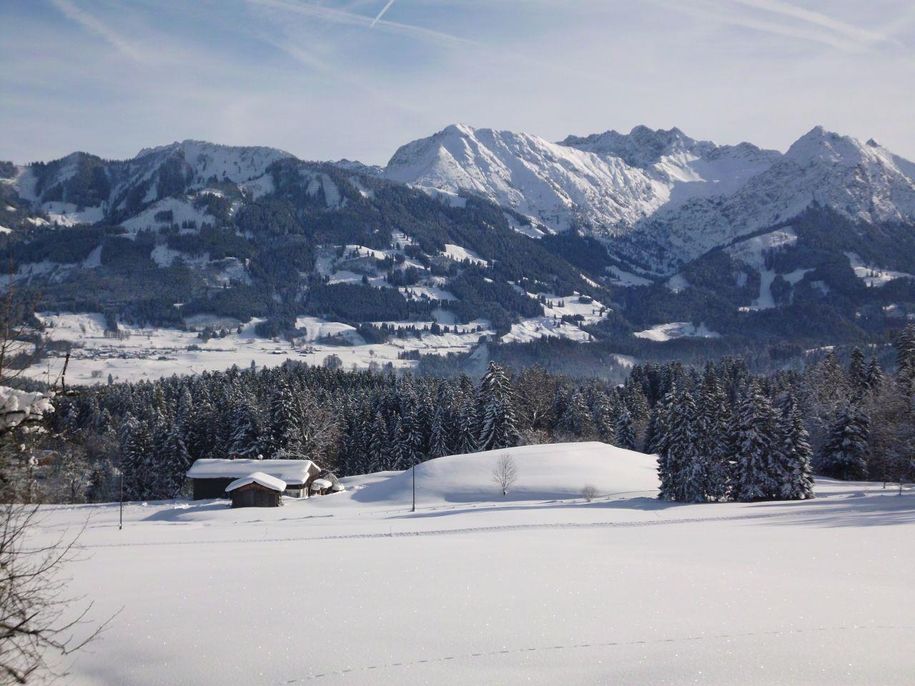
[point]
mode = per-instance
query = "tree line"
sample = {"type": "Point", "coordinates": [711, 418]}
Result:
{"type": "Point", "coordinates": [721, 432]}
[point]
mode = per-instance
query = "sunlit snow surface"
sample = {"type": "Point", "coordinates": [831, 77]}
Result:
{"type": "Point", "coordinates": [474, 588]}
{"type": "Point", "coordinates": [668, 332]}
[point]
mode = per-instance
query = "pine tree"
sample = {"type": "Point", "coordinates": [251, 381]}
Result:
{"type": "Point", "coordinates": [757, 443]}
{"type": "Point", "coordinates": [687, 468]}
{"type": "Point", "coordinates": [245, 439]}
{"type": "Point", "coordinates": [857, 373]}
{"type": "Point", "coordinates": [874, 376]}
{"type": "Point", "coordinates": [498, 428]}
{"type": "Point", "coordinates": [283, 436]}
{"type": "Point", "coordinates": [713, 431]}
{"type": "Point", "coordinates": [377, 447]}
{"type": "Point", "coordinates": [438, 441]}
{"type": "Point", "coordinates": [174, 462]}
{"type": "Point", "coordinates": [905, 357]}
{"type": "Point", "coordinates": [465, 439]}
{"type": "Point", "coordinates": [844, 454]}
{"type": "Point", "coordinates": [138, 464]}
{"type": "Point", "coordinates": [575, 419]}
{"type": "Point", "coordinates": [625, 433]}
{"type": "Point", "coordinates": [605, 419]}
{"type": "Point", "coordinates": [795, 455]}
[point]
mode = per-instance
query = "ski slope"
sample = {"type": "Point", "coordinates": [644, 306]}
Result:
{"type": "Point", "coordinates": [538, 587]}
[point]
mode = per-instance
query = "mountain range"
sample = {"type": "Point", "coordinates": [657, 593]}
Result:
{"type": "Point", "coordinates": [479, 225]}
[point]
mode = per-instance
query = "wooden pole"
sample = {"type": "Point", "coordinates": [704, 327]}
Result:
{"type": "Point", "coordinates": [121, 507]}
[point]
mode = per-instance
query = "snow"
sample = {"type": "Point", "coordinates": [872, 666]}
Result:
{"type": "Point", "coordinates": [259, 478]}
{"type": "Point", "coordinates": [182, 211]}
{"type": "Point", "coordinates": [677, 283]}
{"type": "Point", "coordinates": [420, 292]}
{"type": "Point", "coordinates": [535, 328]}
{"type": "Point", "coordinates": [553, 184]}
{"type": "Point", "coordinates": [151, 353]}
{"type": "Point", "coordinates": [874, 277]}
{"type": "Point", "coordinates": [18, 406]}
{"type": "Point", "coordinates": [859, 180]}
{"type": "Point", "coordinates": [537, 587]}
{"type": "Point", "coordinates": [234, 163]}
{"type": "Point", "coordinates": [319, 484]}
{"type": "Point", "coordinates": [459, 254]}
{"type": "Point", "coordinates": [290, 471]}
{"type": "Point", "coordinates": [668, 332]}
{"type": "Point", "coordinates": [68, 214]}
{"type": "Point", "coordinates": [620, 277]}
{"type": "Point", "coordinates": [4, 229]}
{"type": "Point", "coordinates": [752, 252]}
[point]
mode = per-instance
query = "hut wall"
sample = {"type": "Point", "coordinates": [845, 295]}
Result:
{"type": "Point", "coordinates": [205, 489]}
{"type": "Point", "coordinates": [253, 496]}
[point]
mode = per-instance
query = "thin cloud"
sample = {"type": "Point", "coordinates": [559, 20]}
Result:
{"type": "Point", "coordinates": [720, 13]}
{"type": "Point", "coordinates": [345, 18]}
{"type": "Point", "coordinates": [96, 26]}
{"type": "Point", "coordinates": [381, 13]}
{"type": "Point", "coordinates": [855, 33]}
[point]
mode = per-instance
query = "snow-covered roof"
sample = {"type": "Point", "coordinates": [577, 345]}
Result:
{"type": "Point", "coordinates": [291, 471]}
{"type": "Point", "coordinates": [318, 484]}
{"type": "Point", "coordinates": [264, 480]}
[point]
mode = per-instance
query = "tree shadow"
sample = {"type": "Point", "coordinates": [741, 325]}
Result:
{"type": "Point", "coordinates": [853, 509]}
{"type": "Point", "coordinates": [638, 503]}
{"type": "Point", "coordinates": [182, 513]}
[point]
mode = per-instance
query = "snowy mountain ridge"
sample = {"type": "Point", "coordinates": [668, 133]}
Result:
{"type": "Point", "coordinates": [663, 191]}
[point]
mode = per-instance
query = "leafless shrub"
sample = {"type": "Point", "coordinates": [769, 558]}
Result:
{"type": "Point", "coordinates": [589, 493]}
{"type": "Point", "coordinates": [506, 473]}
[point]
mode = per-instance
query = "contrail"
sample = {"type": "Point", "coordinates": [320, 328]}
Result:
{"type": "Point", "coordinates": [381, 14]}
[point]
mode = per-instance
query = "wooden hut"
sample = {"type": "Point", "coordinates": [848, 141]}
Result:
{"type": "Point", "coordinates": [256, 490]}
{"type": "Point", "coordinates": [211, 477]}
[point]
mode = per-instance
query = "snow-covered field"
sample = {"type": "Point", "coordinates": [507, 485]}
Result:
{"type": "Point", "coordinates": [874, 277]}
{"type": "Point", "coordinates": [538, 587]}
{"type": "Point", "coordinates": [148, 353]}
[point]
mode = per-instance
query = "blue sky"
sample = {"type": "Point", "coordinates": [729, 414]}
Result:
{"type": "Point", "coordinates": [318, 79]}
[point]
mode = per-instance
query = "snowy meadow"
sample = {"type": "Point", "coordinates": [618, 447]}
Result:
{"type": "Point", "coordinates": [540, 586]}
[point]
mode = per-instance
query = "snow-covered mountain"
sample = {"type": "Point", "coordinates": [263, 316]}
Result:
{"type": "Point", "coordinates": [861, 181]}
{"type": "Point", "coordinates": [83, 188]}
{"type": "Point", "coordinates": [664, 196]}
{"type": "Point", "coordinates": [555, 185]}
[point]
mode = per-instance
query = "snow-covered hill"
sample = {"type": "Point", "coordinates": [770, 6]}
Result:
{"type": "Point", "coordinates": [555, 471]}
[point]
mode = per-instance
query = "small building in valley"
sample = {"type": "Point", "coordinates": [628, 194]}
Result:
{"type": "Point", "coordinates": [256, 490]}
{"type": "Point", "coordinates": [212, 477]}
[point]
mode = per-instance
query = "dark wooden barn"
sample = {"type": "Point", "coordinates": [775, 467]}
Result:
{"type": "Point", "coordinates": [256, 490]}
{"type": "Point", "coordinates": [211, 477]}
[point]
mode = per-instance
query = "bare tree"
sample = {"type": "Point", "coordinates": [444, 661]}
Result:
{"type": "Point", "coordinates": [38, 623]}
{"type": "Point", "coordinates": [589, 493]}
{"type": "Point", "coordinates": [506, 473]}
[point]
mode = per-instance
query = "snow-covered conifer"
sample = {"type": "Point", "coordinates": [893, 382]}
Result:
{"type": "Point", "coordinates": [844, 454]}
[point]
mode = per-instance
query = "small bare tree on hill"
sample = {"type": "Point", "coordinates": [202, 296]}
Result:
{"type": "Point", "coordinates": [506, 473]}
